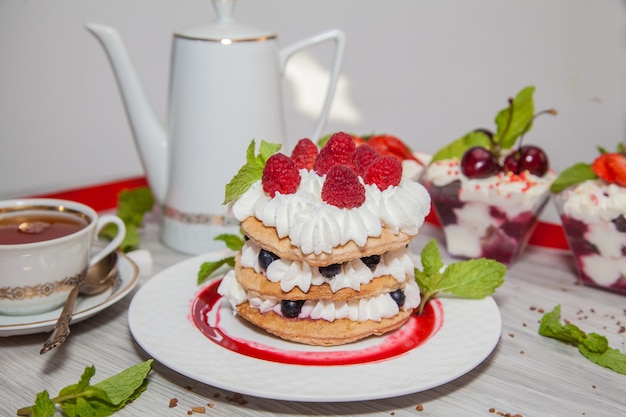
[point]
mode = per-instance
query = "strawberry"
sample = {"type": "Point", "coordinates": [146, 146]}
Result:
{"type": "Point", "coordinates": [342, 188]}
{"type": "Point", "coordinates": [599, 167]}
{"type": "Point", "coordinates": [391, 145]}
{"type": "Point", "coordinates": [384, 172]}
{"type": "Point", "coordinates": [339, 150]}
{"type": "Point", "coordinates": [617, 167]}
{"type": "Point", "coordinates": [280, 175]}
{"type": "Point", "coordinates": [363, 157]}
{"type": "Point", "coordinates": [611, 167]}
{"type": "Point", "coordinates": [358, 141]}
{"type": "Point", "coordinates": [304, 154]}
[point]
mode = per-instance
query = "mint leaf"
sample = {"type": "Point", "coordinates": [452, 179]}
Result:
{"type": "Point", "coordinates": [132, 204]}
{"type": "Point", "coordinates": [241, 182]}
{"type": "Point", "coordinates": [474, 278]}
{"type": "Point", "coordinates": [573, 175]}
{"type": "Point", "coordinates": [611, 358]}
{"type": "Point", "coordinates": [85, 378]}
{"type": "Point", "coordinates": [83, 388]}
{"type": "Point", "coordinates": [595, 343]}
{"type": "Point", "coordinates": [429, 278]}
{"type": "Point", "coordinates": [209, 269]}
{"type": "Point", "coordinates": [90, 402]}
{"type": "Point", "coordinates": [122, 386]}
{"type": "Point", "coordinates": [516, 119]}
{"type": "Point", "coordinates": [212, 268]}
{"type": "Point", "coordinates": [431, 258]}
{"type": "Point", "coordinates": [99, 400]}
{"type": "Point", "coordinates": [593, 346]}
{"type": "Point", "coordinates": [43, 407]}
{"type": "Point", "coordinates": [233, 242]}
{"type": "Point", "coordinates": [252, 170]}
{"type": "Point", "coordinates": [82, 408]}
{"type": "Point", "coordinates": [267, 149]}
{"type": "Point", "coordinates": [131, 208]}
{"type": "Point", "coordinates": [457, 148]}
{"type": "Point", "coordinates": [551, 327]}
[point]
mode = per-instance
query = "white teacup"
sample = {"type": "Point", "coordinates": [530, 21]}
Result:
{"type": "Point", "coordinates": [45, 248]}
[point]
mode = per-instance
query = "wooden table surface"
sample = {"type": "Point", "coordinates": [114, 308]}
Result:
{"type": "Point", "coordinates": [526, 375]}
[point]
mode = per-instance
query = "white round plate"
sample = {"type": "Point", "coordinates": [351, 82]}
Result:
{"type": "Point", "coordinates": [160, 321]}
{"type": "Point", "coordinates": [85, 307]}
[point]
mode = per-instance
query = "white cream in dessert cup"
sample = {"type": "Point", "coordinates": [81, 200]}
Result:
{"type": "Point", "coordinates": [481, 207]}
{"type": "Point", "coordinates": [597, 243]}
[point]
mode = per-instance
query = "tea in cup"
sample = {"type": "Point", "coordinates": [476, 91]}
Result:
{"type": "Point", "coordinates": [46, 249]}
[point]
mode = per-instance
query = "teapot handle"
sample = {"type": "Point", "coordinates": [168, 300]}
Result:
{"type": "Point", "coordinates": [340, 38]}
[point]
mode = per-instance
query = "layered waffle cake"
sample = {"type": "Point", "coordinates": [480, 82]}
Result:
{"type": "Point", "coordinates": [326, 259]}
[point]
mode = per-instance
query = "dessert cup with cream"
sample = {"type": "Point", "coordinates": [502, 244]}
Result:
{"type": "Point", "coordinates": [592, 204]}
{"type": "Point", "coordinates": [488, 189]}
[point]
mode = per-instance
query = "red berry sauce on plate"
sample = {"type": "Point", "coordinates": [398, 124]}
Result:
{"type": "Point", "coordinates": [206, 312]}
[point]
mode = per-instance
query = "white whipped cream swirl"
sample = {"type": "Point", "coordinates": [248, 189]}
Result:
{"type": "Point", "coordinates": [359, 310]}
{"type": "Point", "coordinates": [592, 201]}
{"type": "Point", "coordinates": [317, 227]}
{"type": "Point", "coordinates": [353, 274]}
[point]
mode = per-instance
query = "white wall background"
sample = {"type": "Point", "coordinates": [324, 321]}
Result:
{"type": "Point", "coordinates": [427, 71]}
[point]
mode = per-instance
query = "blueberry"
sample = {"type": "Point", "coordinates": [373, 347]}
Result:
{"type": "Point", "coordinates": [330, 270]}
{"type": "Point", "coordinates": [398, 297]}
{"type": "Point", "coordinates": [371, 261]}
{"type": "Point", "coordinates": [266, 258]}
{"type": "Point", "coordinates": [620, 223]}
{"type": "Point", "coordinates": [291, 308]}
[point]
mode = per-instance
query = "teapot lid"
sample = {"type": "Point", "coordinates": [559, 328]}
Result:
{"type": "Point", "coordinates": [224, 27]}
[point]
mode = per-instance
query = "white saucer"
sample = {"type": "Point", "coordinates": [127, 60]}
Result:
{"type": "Point", "coordinates": [85, 307]}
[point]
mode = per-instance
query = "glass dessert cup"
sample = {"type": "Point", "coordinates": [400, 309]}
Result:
{"type": "Point", "coordinates": [597, 239]}
{"type": "Point", "coordinates": [492, 229]}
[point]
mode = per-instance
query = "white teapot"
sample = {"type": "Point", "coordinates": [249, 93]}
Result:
{"type": "Point", "coordinates": [225, 90]}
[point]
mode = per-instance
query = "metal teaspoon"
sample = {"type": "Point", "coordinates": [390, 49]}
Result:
{"type": "Point", "coordinates": [99, 277]}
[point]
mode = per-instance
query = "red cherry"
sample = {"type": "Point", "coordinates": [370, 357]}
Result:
{"type": "Point", "coordinates": [533, 159]}
{"type": "Point", "coordinates": [478, 162]}
{"type": "Point", "coordinates": [512, 162]}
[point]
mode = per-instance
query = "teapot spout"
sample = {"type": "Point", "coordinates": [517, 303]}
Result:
{"type": "Point", "coordinates": [150, 136]}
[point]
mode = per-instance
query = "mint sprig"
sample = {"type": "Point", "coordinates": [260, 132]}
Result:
{"type": "Point", "coordinates": [593, 346]}
{"type": "Point", "coordinates": [98, 400]}
{"type": "Point", "coordinates": [512, 122]}
{"type": "Point", "coordinates": [473, 279]}
{"type": "Point", "coordinates": [573, 175]}
{"type": "Point", "coordinates": [457, 148]}
{"type": "Point", "coordinates": [580, 172]}
{"type": "Point", "coordinates": [251, 171]}
{"type": "Point", "coordinates": [516, 119]}
{"type": "Point", "coordinates": [131, 207]}
{"type": "Point", "coordinates": [210, 269]}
